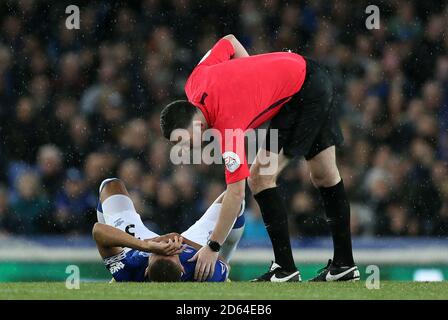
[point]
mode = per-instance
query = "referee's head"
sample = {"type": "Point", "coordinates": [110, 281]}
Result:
{"type": "Point", "coordinates": [177, 115]}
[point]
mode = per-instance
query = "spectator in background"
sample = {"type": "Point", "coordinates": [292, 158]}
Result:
{"type": "Point", "coordinates": [110, 117]}
{"type": "Point", "coordinates": [397, 221]}
{"type": "Point", "coordinates": [307, 220]}
{"type": "Point", "coordinates": [65, 110]}
{"type": "Point", "coordinates": [183, 181]}
{"type": "Point", "coordinates": [30, 212]}
{"type": "Point", "coordinates": [149, 190]}
{"type": "Point", "coordinates": [79, 142]}
{"type": "Point", "coordinates": [50, 169]}
{"type": "Point", "coordinates": [168, 215]}
{"type": "Point", "coordinates": [69, 81]}
{"type": "Point", "coordinates": [106, 78]}
{"type": "Point", "coordinates": [24, 132]}
{"type": "Point", "coordinates": [130, 171]}
{"type": "Point", "coordinates": [134, 140]}
{"type": "Point", "coordinates": [97, 167]}
{"type": "Point", "coordinates": [5, 213]}
{"type": "Point", "coordinates": [74, 205]}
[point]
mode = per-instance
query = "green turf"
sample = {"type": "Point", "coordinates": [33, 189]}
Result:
{"type": "Point", "coordinates": [223, 291]}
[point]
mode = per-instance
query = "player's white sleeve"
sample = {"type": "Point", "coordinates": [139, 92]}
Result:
{"type": "Point", "coordinates": [119, 212]}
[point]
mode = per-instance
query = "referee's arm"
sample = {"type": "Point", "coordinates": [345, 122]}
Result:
{"type": "Point", "coordinates": [240, 51]}
{"type": "Point", "coordinates": [231, 205]}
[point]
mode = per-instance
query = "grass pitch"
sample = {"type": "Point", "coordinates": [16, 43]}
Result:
{"type": "Point", "coordinates": [225, 291]}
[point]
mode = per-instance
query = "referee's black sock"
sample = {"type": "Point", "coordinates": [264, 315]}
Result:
{"type": "Point", "coordinates": [275, 219]}
{"type": "Point", "coordinates": [337, 209]}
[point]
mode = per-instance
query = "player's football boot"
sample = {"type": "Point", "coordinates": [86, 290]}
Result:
{"type": "Point", "coordinates": [334, 273]}
{"type": "Point", "coordinates": [277, 274]}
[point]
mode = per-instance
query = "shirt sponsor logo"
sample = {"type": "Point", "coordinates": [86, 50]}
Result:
{"type": "Point", "coordinates": [231, 160]}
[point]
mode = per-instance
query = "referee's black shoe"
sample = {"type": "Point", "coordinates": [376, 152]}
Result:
{"type": "Point", "coordinates": [277, 274]}
{"type": "Point", "coordinates": [335, 273]}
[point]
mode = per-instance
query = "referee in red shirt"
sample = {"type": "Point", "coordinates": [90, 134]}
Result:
{"type": "Point", "coordinates": [230, 90]}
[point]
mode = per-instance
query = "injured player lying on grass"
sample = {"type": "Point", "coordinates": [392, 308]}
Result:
{"type": "Point", "coordinates": [132, 252]}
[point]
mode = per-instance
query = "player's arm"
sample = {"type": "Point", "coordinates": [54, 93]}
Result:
{"type": "Point", "coordinates": [110, 241]}
{"type": "Point", "coordinates": [231, 204]}
{"type": "Point", "coordinates": [165, 237]}
{"type": "Point", "coordinates": [172, 235]}
{"type": "Point", "coordinates": [240, 51]}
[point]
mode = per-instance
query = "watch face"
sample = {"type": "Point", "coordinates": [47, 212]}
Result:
{"type": "Point", "coordinates": [215, 246]}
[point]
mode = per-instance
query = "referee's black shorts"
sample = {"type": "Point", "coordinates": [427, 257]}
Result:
{"type": "Point", "coordinates": [308, 123]}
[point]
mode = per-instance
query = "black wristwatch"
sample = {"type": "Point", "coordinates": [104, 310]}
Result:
{"type": "Point", "coordinates": [214, 245]}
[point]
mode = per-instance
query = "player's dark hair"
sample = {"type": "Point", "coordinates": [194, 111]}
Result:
{"type": "Point", "coordinates": [164, 270]}
{"type": "Point", "coordinates": [176, 115]}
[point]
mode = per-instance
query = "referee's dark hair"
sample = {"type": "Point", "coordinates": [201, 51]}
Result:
{"type": "Point", "coordinates": [164, 270]}
{"type": "Point", "coordinates": [176, 115]}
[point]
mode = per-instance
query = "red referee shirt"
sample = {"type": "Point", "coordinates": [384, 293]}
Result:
{"type": "Point", "coordinates": [241, 94]}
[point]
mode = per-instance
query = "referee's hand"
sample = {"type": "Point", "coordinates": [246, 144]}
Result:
{"type": "Point", "coordinates": [205, 265]}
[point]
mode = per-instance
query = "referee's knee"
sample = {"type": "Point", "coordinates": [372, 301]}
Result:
{"type": "Point", "coordinates": [325, 180]}
{"type": "Point", "coordinates": [258, 182]}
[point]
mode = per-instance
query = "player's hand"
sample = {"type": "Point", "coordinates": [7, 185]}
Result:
{"type": "Point", "coordinates": [165, 237]}
{"type": "Point", "coordinates": [205, 265]}
{"type": "Point", "coordinates": [167, 248]}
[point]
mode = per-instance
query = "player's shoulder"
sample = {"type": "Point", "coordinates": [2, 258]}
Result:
{"type": "Point", "coordinates": [187, 253]}
{"type": "Point", "coordinates": [136, 254]}
{"type": "Point", "coordinates": [189, 250]}
{"type": "Point", "coordinates": [127, 257]}
{"type": "Point", "coordinates": [128, 265]}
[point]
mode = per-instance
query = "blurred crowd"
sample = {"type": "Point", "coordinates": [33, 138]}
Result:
{"type": "Point", "coordinates": [78, 106]}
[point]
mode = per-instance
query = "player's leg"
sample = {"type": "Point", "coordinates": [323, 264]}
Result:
{"type": "Point", "coordinates": [325, 176]}
{"type": "Point", "coordinates": [99, 208]}
{"type": "Point", "coordinates": [116, 209]}
{"type": "Point", "coordinates": [263, 184]}
{"type": "Point", "coordinates": [201, 230]}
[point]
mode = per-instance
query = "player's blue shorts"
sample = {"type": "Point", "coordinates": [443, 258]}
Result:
{"type": "Point", "coordinates": [130, 266]}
